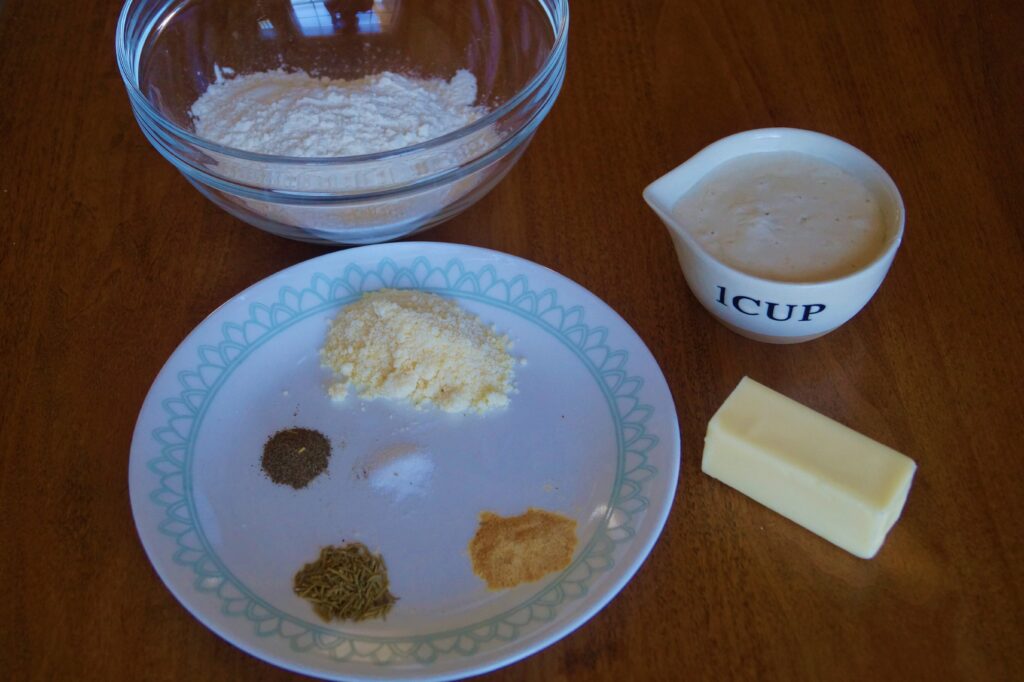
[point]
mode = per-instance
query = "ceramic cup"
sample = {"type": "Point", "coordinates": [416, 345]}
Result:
{"type": "Point", "coordinates": [763, 309]}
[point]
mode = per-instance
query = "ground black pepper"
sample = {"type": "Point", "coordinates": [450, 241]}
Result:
{"type": "Point", "coordinates": [295, 456]}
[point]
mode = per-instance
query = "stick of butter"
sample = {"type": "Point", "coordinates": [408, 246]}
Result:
{"type": "Point", "coordinates": [828, 478]}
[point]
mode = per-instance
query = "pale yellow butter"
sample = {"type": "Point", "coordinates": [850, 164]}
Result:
{"type": "Point", "coordinates": [826, 477]}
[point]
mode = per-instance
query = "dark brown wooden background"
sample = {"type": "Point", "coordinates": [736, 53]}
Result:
{"type": "Point", "coordinates": [108, 259]}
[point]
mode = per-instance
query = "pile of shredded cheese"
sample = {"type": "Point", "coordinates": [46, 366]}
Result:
{"type": "Point", "coordinates": [420, 347]}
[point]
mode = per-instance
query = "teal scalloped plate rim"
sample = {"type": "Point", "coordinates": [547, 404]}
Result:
{"type": "Point", "coordinates": [170, 493]}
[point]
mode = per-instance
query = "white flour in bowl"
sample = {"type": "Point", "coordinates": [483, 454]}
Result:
{"type": "Point", "coordinates": [293, 114]}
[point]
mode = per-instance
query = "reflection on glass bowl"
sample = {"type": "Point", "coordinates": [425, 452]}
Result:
{"type": "Point", "coordinates": [170, 52]}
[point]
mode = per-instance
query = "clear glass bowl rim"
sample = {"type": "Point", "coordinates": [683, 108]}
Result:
{"type": "Point", "coordinates": [126, 64]}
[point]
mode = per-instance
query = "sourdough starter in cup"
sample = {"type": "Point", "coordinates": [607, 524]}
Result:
{"type": "Point", "coordinates": [784, 216]}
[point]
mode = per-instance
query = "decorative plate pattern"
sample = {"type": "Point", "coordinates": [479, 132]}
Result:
{"type": "Point", "coordinates": [630, 513]}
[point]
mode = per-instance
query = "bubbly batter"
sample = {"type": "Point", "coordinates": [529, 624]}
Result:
{"type": "Point", "coordinates": [784, 216]}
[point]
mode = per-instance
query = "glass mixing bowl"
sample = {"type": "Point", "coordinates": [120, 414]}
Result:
{"type": "Point", "coordinates": [170, 51]}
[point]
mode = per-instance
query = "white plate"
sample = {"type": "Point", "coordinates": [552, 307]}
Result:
{"type": "Point", "coordinates": [591, 433]}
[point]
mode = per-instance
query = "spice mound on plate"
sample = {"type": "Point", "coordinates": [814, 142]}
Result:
{"type": "Point", "coordinates": [420, 347]}
{"type": "Point", "coordinates": [346, 583]}
{"type": "Point", "coordinates": [399, 470]}
{"type": "Point", "coordinates": [295, 456]}
{"type": "Point", "coordinates": [510, 550]}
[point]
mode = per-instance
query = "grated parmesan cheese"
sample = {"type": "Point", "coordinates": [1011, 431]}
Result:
{"type": "Point", "coordinates": [420, 347]}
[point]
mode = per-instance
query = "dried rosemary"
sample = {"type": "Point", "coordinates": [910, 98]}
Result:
{"type": "Point", "coordinates": [346, 583]}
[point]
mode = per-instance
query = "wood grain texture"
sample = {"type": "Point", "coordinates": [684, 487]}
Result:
{"type": "Point", "coordinates": [109, 258]}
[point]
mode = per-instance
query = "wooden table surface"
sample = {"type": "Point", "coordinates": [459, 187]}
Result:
{"type": "Point", "coordinates": [109, 259]}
